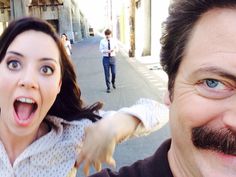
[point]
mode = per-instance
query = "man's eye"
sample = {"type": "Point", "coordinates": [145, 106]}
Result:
{"type": "Point", "coordinates": [215, 89]}
{"type": "Point", "coordinates": [46, 70]}
{"type": "Point", "coordinates": [14, 65]}
{"type": "Point", "coordinates": [212, 83]}
{"type": "Point", "coordinates": [216, 85]}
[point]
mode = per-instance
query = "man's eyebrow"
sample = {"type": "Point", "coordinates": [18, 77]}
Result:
{"type": "Point", "coordinates": [216, 70]}
{"type": "Point", "coordinates": [42, 59]}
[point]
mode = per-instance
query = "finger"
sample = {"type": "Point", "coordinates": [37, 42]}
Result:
{"type": "Point", "coordinates": [79, 161]}
{"type": "Point", "coordinates": [86, 168]}
{"type": "Point", "coordinates": [97, 166]}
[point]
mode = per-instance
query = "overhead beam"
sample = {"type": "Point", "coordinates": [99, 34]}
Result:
{"type": "Point", "coordinates": [60, 1]}
{"type": "Point", "coordinates": [5, 2]}
{"type": "Point", "coordinates": [46, 2]}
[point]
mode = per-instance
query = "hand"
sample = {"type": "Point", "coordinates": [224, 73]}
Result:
{"type": "Point", "coordinates": [99, 145]}
{"type": "Point", "coordinates": [109, 51]}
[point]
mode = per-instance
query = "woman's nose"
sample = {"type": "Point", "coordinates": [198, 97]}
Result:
{"type": "Point", "coordinates": [28, 80]}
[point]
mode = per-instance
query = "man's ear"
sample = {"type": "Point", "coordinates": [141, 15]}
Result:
{"type": "Point", "coordinates": [167, 101]}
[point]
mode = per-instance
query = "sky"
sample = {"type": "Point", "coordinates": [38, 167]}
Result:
{"type": "Point", "coordinates": [94, 11]}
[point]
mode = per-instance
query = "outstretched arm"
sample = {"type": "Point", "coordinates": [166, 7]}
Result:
{"type": "Point", "coordinates": [101, 138]}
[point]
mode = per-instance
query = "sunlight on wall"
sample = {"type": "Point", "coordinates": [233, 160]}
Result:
{"type": "Point", "coordinates": [1, 28]}
{"type": "Point", "coordinates": [94, 12]}
{"type": "Point", "coordinates": [160, 12]}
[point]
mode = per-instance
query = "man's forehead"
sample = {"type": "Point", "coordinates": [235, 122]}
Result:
{"type": "Point", "coordinates": [214, 32]}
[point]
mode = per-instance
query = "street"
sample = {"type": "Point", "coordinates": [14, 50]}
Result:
{"type": "Point", "coordinates": [134, 81]}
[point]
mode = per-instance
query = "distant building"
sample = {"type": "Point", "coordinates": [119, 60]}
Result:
{"type": "Point", "coordinates": [64, 15]}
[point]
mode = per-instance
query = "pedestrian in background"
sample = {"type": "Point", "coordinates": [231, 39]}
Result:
{"type": "Point", "coordinates": [108, 47]}
{"type": "Point", "coordinates": [66, 43]}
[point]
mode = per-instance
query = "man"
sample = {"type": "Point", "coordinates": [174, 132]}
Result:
{"type": "Point", "coordinates": [199, 56]}
{"type": "Point", "coordinates": [108, 48]}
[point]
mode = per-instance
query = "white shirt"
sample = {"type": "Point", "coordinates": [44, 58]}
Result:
{"type": "Point", "coordinates": [103, 47]}
{"type": "Point", "coordinates": [67, 46]}
{"type": "Point", "coordinates": [54, 154]}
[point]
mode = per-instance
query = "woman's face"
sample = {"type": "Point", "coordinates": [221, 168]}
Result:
{"type": "Point", "coordinates": [63, 37]}
{"type": "Point", "coordinates": [30, 80]}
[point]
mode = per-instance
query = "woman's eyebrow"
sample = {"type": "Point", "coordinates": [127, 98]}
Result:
{"type": "Point", "coordinates": [42, 59]}
{"type": "Point", "coordinates": [15, 53]}
{"type": "Point", "coordinates": [49, 59]}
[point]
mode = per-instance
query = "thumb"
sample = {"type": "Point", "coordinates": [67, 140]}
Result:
{"type": "Point", "coordinates": [112, 162]}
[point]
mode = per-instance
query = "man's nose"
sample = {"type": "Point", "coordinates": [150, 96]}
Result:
{"type": "Point", "coordinates": [28, 79]}
{"type": "Point", "coordinates": [229, 119]}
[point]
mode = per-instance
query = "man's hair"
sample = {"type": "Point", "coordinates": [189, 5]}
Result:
{"type": "Point", "coordinates": [68, 104]}
{"type": "Point", "coordinates": [177, 29]}
{"type": "Point", "coordinates": [107, 32]}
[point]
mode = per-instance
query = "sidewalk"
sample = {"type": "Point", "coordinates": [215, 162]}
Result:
{"type": "Point", "coordinates": [150, 62]}
{"type": "Point", "coordinates": [150, 68]}
{"type": "Point", "coordinates": [154, 65]}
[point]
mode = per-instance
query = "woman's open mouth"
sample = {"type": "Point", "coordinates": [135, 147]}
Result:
{"type": "Point", "coordinates": [24, 110]}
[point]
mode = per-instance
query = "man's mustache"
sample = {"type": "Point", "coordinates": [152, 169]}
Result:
{"type": "Point", "coordinates": [221, 140]}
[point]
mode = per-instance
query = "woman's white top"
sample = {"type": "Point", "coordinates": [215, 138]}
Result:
{"type": "Point", "coordinates": [67, 46]}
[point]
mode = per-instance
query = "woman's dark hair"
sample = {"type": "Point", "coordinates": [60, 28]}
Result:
{"type": "Point", "coordinates": [183, 15]}
{"type": "Point", "coordinates": [68, 104]}
{"type": "Point", "coordinates": [64, 34]}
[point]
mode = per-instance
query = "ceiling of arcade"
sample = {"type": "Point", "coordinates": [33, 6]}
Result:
{"type": "Point", "coordinates": [6, 3]}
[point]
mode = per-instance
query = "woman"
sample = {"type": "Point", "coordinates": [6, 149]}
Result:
{"type": "Point", "coordinates": [66, 43]}
{"type": "Point", "coordinates": [43, 119]}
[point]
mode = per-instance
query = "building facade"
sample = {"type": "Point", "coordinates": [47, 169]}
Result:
{"type": "Point", "coordinates": [137, 25]}
{"type": "Point", "coordinates": [64, 15]}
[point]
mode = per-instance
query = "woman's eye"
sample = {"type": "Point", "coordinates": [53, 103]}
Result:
{"type": "Point", "coordinates": [14, 65]}
{"type": "Point", "coordinates": [46, 70]}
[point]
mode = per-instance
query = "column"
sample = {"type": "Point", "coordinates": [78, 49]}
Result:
{"type": "Point", "coordinates": [78, 28]}
{"type": "Point", "coordinates": [147, 27]}
{"type": "Point", "coordinates": [65, 19]}
{"type": "Point", "coordinates": [18, 8]}
{"type": "Point", "coordinates": [132, 28]}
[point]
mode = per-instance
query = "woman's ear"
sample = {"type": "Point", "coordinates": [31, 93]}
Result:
{"type": "Point", "coordinates": [59, 86]}
{"type": "Point", "coordinates": [167, 101]}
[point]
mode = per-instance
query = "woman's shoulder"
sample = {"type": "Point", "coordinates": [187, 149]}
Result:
{"type": "Point", "coordinates": [58, 121]}
{"type": "Point", "coordinates": [68, 129]}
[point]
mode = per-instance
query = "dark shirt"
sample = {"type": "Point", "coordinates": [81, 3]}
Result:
{"type": "Point", "coordinates": [156, 165]}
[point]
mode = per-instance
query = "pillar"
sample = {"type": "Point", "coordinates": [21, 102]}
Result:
{"type": "Point", "coordinates": [65, 19]}
{"type": "Point", "coordinates": [132, 28]}
{"type": "Point", "coordinates": [18, 8]}
{"type": "Point", "coordinates": [78, 28]}
{"type": "Point", "coordinates": [147, 27]}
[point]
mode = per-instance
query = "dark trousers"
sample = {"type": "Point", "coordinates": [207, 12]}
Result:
{"type": "Point", "coordinates": [109, 64]}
